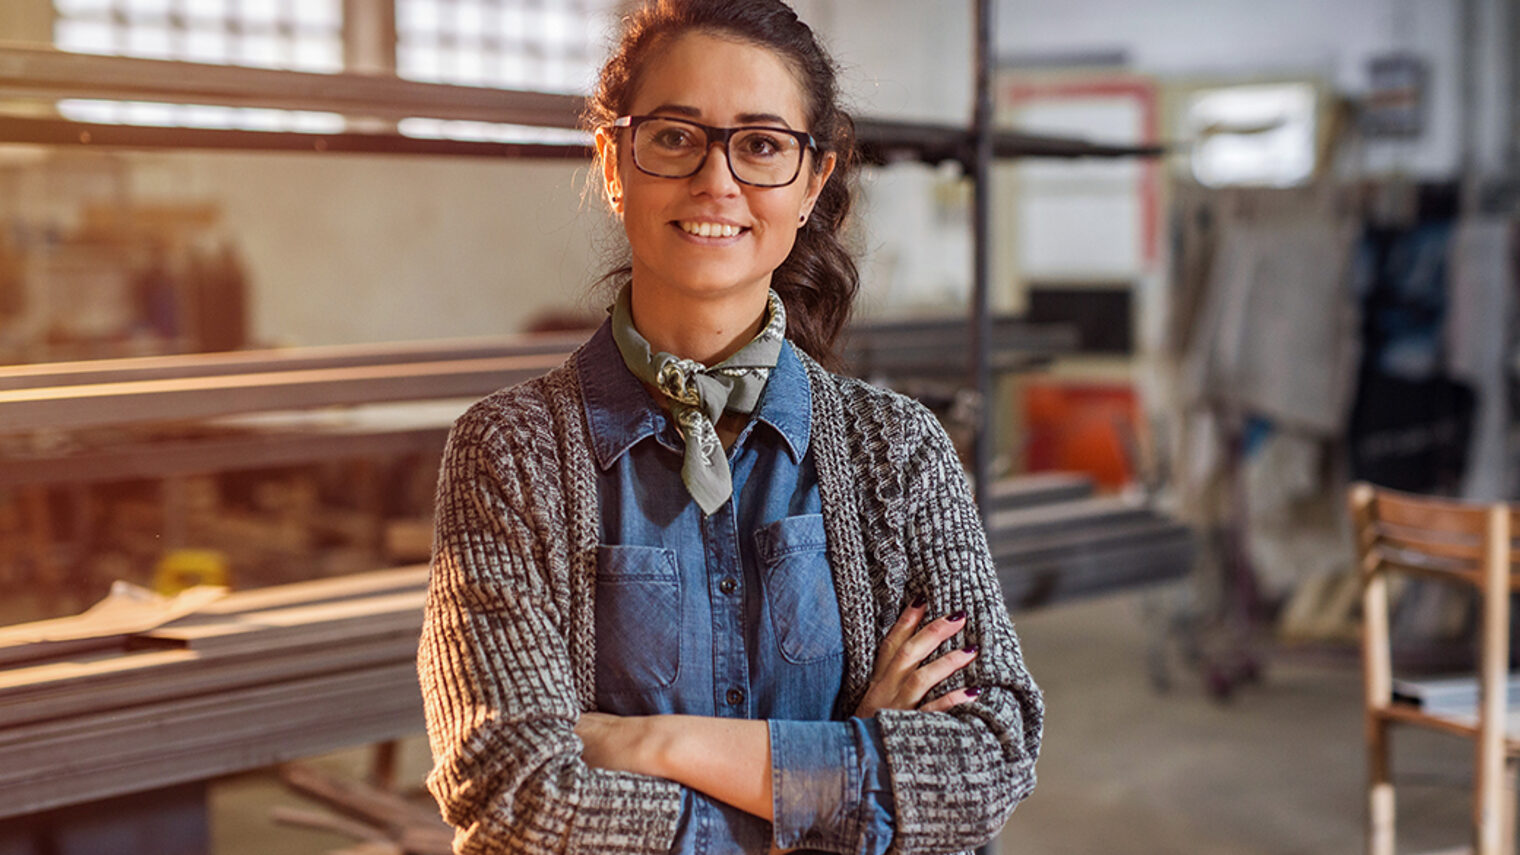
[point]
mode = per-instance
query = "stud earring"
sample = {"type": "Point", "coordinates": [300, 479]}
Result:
{"type": "Point", "coordinates": [802, 220]}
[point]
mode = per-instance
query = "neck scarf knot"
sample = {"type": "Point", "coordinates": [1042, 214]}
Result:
{"type": "Point", "coordinates": [698, 394]}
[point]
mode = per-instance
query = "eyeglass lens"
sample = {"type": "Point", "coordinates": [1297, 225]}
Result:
{"type": "Point", "coordinates": [674, 149]}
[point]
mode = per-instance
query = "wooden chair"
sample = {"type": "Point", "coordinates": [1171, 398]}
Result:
{"type": "Point", "coordinates": [1455, 542]}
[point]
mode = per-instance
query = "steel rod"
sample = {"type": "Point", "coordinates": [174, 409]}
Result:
{"type": "Point", "coordinates": [981, 254]}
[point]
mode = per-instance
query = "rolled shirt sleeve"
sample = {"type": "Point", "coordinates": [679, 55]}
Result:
{"type": "Point", "coordinates": [829, 786]}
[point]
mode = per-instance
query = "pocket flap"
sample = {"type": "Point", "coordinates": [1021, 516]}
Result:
{"type": "Point", "coordinates": [636, 563]}
{"type": "Point", "coordinates": [781, 538]}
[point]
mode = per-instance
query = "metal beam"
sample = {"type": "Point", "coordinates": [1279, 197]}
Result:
{"type": "Point", "coordinates": [52, 73]}
{"type": "Point", "coordinates": [282, 359]}
{"type": "Point", "coordinates": [61, 132]}
{"type": "Point", "coordinates": [191, 398]}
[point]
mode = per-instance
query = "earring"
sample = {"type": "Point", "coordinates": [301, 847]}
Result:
{"type": "Point", "coordinates": [802, 220]}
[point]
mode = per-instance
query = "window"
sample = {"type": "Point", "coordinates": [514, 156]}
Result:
{"type": "Point", "coordinates": [299, 35]}
{"type": "Point", "coordinates": [535, 45]}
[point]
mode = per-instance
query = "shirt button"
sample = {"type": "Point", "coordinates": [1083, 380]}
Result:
{"type": "Point", "coordinates": [728, 585]}
{"type": "Point", "coordinates": [734, 697]}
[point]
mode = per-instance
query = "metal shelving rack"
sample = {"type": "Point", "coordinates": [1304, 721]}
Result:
{"type": "Point", "coordinates": [33, 77]}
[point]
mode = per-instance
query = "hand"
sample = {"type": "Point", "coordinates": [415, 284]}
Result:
{"type": "Point", "coordinates": [899, 682]}
{"type": "Point", "coordinates": [613, 741]}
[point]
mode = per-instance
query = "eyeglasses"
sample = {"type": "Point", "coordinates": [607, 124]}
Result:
{"type": "Point", "coordinates": [676, 148]}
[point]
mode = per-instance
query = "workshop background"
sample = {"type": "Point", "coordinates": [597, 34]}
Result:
{"type": "Point", "coordinates": [1175, 275]}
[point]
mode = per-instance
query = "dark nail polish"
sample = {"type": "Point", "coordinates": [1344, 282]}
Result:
{"type": "Point", "coordinates": [971, 648]}
{"type": "Point", "coordinates": [973, 691]}
{"type": "Point", "coordinates": [958, 616]}
{"type": "Point", "coordinates": [920, 601]}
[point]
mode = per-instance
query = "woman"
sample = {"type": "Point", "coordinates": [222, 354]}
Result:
{"type": "Point", "coordinates": [736, 608]}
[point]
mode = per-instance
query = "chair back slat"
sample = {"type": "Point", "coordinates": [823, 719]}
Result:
{"type": "Point", "coordinates": [1420, 513]}
{"type": "Point", "coordinates": [1427, 534]}
{"type": "Point", "coordinates": [1457, 548]}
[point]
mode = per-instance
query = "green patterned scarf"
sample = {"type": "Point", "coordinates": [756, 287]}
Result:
{"type": "Point", "coordinates": [698, 395]}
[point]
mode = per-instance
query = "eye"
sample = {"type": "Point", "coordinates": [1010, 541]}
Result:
{"type": "Point", "coordinates": [760, 145]}
{"type": "Point", "coordinates": [673, 137]}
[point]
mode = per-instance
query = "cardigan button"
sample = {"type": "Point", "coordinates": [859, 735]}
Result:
{"type": "Point", "coordinates": [734, 697]}
{"type": "Point", "coordinates": [728, 585]}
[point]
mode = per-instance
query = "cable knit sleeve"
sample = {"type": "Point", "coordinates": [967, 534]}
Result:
{"type": "Point", "coordinates": [499, 684]}
{"type": "Point", "coordinates": [957, 776]}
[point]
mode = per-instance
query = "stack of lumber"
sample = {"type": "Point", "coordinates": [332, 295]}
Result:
{"type": "Point", "coordinates": [1053, 540]}
{"type": "Point", "coordinates": [251, 680]}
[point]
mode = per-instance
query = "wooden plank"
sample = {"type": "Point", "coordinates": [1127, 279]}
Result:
{"type": "Point", "coordinates": [93, 405]}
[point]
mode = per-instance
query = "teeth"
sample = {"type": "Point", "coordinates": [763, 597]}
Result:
{"type": "Point", "coordinates": [704, 229]}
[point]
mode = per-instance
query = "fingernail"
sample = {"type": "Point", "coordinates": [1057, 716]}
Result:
{"type": "Point", "coordinates": [971, 648]}
{"type": "Point", "coordinates": [920, 601]}
{"type": "Point", "coordinates": [958, 616]}
{"type": "Point", "coordinates": [973, 691]}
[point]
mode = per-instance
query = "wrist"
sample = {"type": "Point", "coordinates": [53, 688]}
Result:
{"type": "Point", "coordinates": [658, 745]}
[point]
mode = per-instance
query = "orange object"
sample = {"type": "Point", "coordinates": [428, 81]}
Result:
{"type": "Point", "coordinates": [1081, 427]}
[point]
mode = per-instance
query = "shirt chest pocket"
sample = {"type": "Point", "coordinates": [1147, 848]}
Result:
{"type": "Point", "coordinates": [799, 588]}
{"type": "Point", "coordinates": [638, 618]}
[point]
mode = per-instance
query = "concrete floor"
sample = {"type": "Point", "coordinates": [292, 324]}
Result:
{"type": "Point", "coordinates": [1275, 771]}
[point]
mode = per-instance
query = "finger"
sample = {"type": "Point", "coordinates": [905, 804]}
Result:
{"type": "Point", "coordinates": [937, 632]}
{"type": "Point", "coordinates": [922, 681]}
{"type": "Point", "coordinates": [950, 700]}
{"type": "Point", "coordinates": [900, 632]}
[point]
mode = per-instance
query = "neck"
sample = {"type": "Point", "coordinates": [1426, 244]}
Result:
{"type": "Point", "coordinates": [708, 330]}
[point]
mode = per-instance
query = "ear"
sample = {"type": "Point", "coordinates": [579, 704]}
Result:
{"type": "Point", "coordinates": [612, 181]}
{"type": "Point", "coordinates": [816, 180]}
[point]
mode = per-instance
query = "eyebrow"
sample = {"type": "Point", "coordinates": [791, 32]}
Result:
{"type": "Point", "coordinates": [744, 118]}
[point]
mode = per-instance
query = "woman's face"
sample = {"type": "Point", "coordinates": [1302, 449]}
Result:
{"type": "Point", "coordinates": [723, 83]}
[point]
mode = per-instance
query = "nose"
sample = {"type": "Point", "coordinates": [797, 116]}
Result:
{"type": "Point", "coordinates": [715, 177]}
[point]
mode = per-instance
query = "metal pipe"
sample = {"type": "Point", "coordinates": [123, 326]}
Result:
{"type": "Point", "coordinates": [1511, 10]}
{"type": "Point", "coordinates": [1470, 51]}
{"type": "Point", "coordinates": [981, 253]}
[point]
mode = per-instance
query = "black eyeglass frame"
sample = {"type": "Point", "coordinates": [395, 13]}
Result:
{"type": "Point", "coordinates": [717, 135]}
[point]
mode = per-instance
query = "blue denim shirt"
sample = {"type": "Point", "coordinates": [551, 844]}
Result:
{"type": "Point", "coordinates": [732, 614]}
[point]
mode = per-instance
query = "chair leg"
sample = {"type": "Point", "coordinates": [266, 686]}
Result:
{"type": "Point", "coordinates": [1508, 808]}
{"type": "Point", "coordinates": [1380, 802]}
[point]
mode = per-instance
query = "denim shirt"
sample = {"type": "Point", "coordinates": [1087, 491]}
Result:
{"type": "Point", "coordinates": [733, 614]}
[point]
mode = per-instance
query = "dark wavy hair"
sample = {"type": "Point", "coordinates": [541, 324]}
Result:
{"type": "Point", "coordinates": [818, 280]}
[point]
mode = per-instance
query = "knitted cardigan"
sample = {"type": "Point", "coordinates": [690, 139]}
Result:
{"type": "Point", "coordinates": [507, 657]}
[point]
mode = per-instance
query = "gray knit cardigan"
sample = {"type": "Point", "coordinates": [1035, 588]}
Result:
{"type": "Point", "coordinates": [507, 659]}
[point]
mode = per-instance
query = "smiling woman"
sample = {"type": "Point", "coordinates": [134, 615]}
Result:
{"type": "Point", "coordinates": [691, 592]}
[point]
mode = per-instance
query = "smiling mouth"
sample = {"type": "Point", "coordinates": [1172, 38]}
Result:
{"type": "Point", "coordinates": [710, 230]}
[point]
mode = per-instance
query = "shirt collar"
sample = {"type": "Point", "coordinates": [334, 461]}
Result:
{"type": "Point", "coordinates": [620, 411]}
